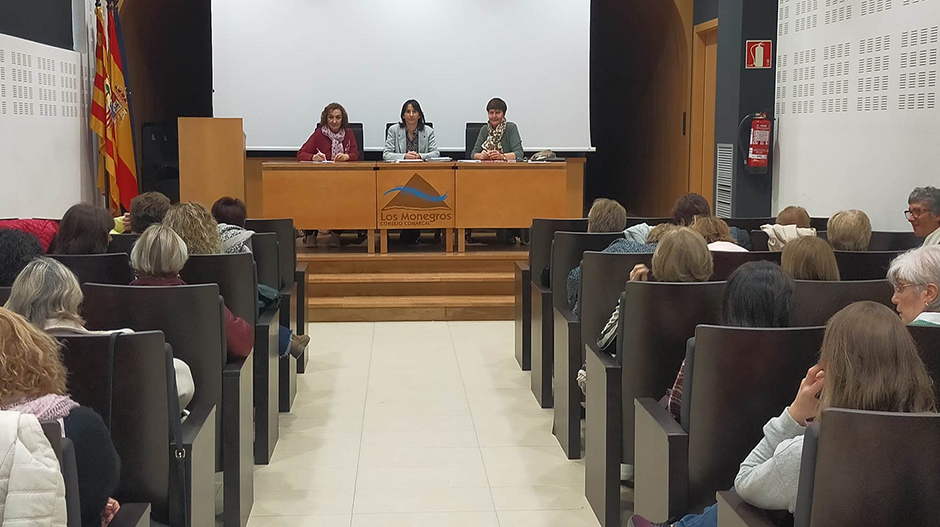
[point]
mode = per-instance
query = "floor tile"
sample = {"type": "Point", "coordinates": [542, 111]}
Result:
{"type": "Point", "coordinates": [267, 478]}
{"type": "Point", "coordinates": [548, 518]}
{"type": "Point", "coordinates": [539, 498]}
{"type": "Point", "coordinates": [529, 466]}
{"type": "Point", "coordinates": [426, 519]}
{"type": "Point", "coordinates": [316, 520]}
{"type": "Point", "coordinates": [419, 457]}
{"type": "Point", "coordinates": [301, 502]}
{"type": "Point", "coordinates": [423, 500]}
{"type": "Point", "coordinates": [463, 438]}
{"type": "Point", "coordinates": [454, 476]}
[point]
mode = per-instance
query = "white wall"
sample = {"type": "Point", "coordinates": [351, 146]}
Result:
{"type": "Point", "coordinates": [277, 64]}
{"type": "Point", "coordinates": [857, 110]}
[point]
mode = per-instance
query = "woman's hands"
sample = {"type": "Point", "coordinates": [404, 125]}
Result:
{"type": "Point", "coordinates": [341, 157]}
{"type": "Point", "coordinates": [640, 273]}
{"type": "Point", "coordinates": [319, 156]}
{"type": "Point", "coordinates": [412, 155]}
{"type": "Point", "coordinates": [806, 403]}
{"type": "Point", "coordinates": [493, 155]}
{"type": "Point", "coordinates": [109, 511]}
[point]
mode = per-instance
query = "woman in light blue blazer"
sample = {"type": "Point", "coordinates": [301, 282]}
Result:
{"type": "Point", "coordinates": [412, 138]}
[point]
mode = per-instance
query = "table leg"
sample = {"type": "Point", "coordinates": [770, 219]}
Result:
{"type": "Point", "coordinates": [383, 240]}
{"type": "Point", "coordinates": [449, 240]}
{"type": "Point", "coordinates": [461, 240]}
{"type": "Point", "coordinates": [370, 240]}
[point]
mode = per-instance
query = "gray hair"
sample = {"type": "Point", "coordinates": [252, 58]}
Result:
{"type": "Point", "coordinates": [44, 290]}
{"type": "Point", "coordinates": [927, 196]}
{"type": "Point", "coordinates": [159, 252]}
{"type": "Point", "coordinates": [918, 267]}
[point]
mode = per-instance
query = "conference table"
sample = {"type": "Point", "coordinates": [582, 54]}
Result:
{"type": "Point", "coordinates": [453, 195]}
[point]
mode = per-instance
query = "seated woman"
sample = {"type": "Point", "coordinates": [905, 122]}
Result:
{"type": "Point", "coordinates": [84, 229]}
{"type": "Point", "coordinates": [231, 213]}
{"type": "Point", "coordinates": [17, 248]}
{"type": "Point", "coordinates": [716, 233]}
{"type": "Point", "coordinates": [333, 140]}
{"type": "Point", "coordinates": [868, 361]}
{"type": "Point", "coordinates": [412, 138]}
{"type": "Point", "coordinates": [757, 295]}
{"type": "Point", "coordinates": [923, 213]}
{"type": "Point", "coordinates": [810, 258]}
{"type": "Point", "coordinates": [849, 230]}
{"type": "Point", "coordinates": [499, 140]}
{"type": "Point", "coordinates": [791, 223]}
{"type": "Point", "coordinates": [32, 381]}
{"type": "Point", "coordinates": [146, 209]}
{"type": "Point", "coordinates": [157, 258]}
{"type": "Point", "coordinates": [687, 207]}
{"type": "Point", "coordinates": [48, 295]}
{"type": "Point", "coordinates": [915, 276]}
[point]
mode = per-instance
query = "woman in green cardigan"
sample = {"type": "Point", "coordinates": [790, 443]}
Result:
{"type": "Point", "coordinates": [499, 140]}
{"type": "Point", "coordinates": [915, 276]}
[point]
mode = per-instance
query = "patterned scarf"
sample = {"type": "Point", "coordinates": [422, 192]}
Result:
{"type": "Point", "coordinates": [46, 408]}
{"type": "Point", "coordinates": [494, 137]}
{"type": "Point", "coordinates": [337, 139]}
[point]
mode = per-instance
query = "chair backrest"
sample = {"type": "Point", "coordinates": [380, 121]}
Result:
{"type": "Point", "coordinates": [815, 301]}
{"type": "Point", "coordinates": [357, 131]}
{"type": "Point", "coordinates": [893, 241]}
{"type": "Point", "coordinates": [631, 221]}
{"type": "Point", "coordinates": [265, 251]}
{"type": "Point", "coordinates": [603, 277]}
{"type": "Point", "coordinates": [928, 341]}
{"type": "Point", "coordinates": [738, 377]}
{"type": "Point", "coordinates": [876, 468]}
{"type": "Point", "coordinates": [868, 265]}
{"type": "Point", "coordinates": [235, 276]}
{"type": "Point", "coordinates": [541, 235]}
{"type": "Point", "coordinates": [286, 244]}
{"type": "Point", "coordinates": [748, 224]}
{"type": "Point", "coordinates": [804, 493]}
{"type": "Point", "coordinates": [135, 406]}
{"type": "Point", "coordinates": [656, 321]}
{"type": "Point", "coordinates": [112, 268]}
{"type": "Point", "coordinates": [122, 243]}
{"type": "Point", "coordinates": [473, 130]}
{"type": "Point", "coordinates": [4, 294]}
{"type": "Point", "coordinates": [190, 317]}
{"type": "Point", "coordinates": [65, 452]}
{"type": "Point", "coordinates": [726, 262]}
{"type": "Point", "coordinates": [818, 223]}
{"type": "Point", "coordinates": [759, 240]}
{"type": "Point", "coordinates": [567, 250]}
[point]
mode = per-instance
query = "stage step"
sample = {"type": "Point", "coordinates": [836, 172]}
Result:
{"type": "Point", "coordinates": [438, 262]}
{"type": "Point", "coordinates": [410, 284]}
{"type": "Point", "coordinates": [385, 308]}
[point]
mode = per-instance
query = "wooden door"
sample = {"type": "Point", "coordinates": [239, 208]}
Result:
{"type": "Point", "coordinates": [704, 69]}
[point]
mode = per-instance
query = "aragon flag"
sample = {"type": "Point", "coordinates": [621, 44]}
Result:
{"type": "Point", "coordinates": [124, 164]}
{"type": "Point", "coordinates": [100, 121]}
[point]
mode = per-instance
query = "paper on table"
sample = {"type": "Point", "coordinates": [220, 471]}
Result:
{"type": "Point", "coordinates": [409, 160]}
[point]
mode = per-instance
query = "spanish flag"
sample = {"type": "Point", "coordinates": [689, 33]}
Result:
{"type": "Point", "coordinates": [100, 121]}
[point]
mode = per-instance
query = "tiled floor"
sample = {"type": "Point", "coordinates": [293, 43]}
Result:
{"type": "Point", "coordinates": [417, 424]}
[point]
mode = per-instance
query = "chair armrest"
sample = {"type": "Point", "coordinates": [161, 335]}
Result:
{"type": "Point", "coordinates": [268, 316]}
{"type": "Point", "coordinates": [195, 421]}
{"type": "Point", "coordinates": [132, 515]}
{"type": "Point", "coordinates": [566, 314]}
{"type": "Point", "coordinates": [536, 286]}
{"type": "Point", "coordinates": [661, 462]}
{"type": "Point", "coordinates": [522, 266]}
{"type": "Point", "coordinates": [233, 367]}
{"type": "Point", "coordinates": [300, 274]}
{"type": "Point", "coordinates": [733, 511]}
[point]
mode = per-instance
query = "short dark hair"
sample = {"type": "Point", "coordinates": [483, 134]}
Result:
{"type": "Point", "coordinates": [230, 210]}
{"type": "Point", "coordinates": [414, 104]}
{"type": "Point", "coordinates": [329, 109]}
{"type": "Point", "coordinates": [496, 104]}
{"type": "Point", "coordinates": [148, 208]}
{"type": "Point", "coordinates": [759, 295]}
{"type": "Point", "coordinates": [688, 207]}
{"type": "Point", "coordinates": [83, 230]}
{"type": "Point", "coordinates": [17, 249]}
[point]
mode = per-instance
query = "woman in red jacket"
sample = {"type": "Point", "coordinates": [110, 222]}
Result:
{"type": "Point", "coordinates": [333, 140]}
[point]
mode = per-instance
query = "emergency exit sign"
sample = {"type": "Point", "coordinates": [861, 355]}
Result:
{"type": "Point", "coordinates": [758, 54]}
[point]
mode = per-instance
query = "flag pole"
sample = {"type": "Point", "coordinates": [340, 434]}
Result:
{"type": "Point", "coordinates": [107, 177]}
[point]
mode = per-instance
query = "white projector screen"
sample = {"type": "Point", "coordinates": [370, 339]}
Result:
{"type": "Point", "coordinates": [277, 64]}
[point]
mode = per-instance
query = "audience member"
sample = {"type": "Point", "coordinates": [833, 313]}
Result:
{"type": "Point", "coordinates": [157, 258]}
{"type": "Point", "coordinates": [32, 381]}
{"type": "Point", "coordinates": [849, 230]}
{"type": "Point", "coordinates": [48, 295]}
{"type": "Point", "coordinates": [230, 213]}
{"type": "Point", "coordinates": [757, 295]}
{"type": "Point", "coordinates": [915, 276]}
{"type": "Point", "coordinates": [85, 229]}
{"type": "Point", "coordinates": [146, 209]}
{"type": "Point", "coordinates": [17, 249]}
{"type": "Point", "coordinates": [688, 207]}
{"type": "Point", "coordinates": [606, 215]}
{"type": "Point", "coordinates": [791, 223]}
{"type": "Point", "coordinates": [810, 258]}
{"type": "Point", "coordinates": [794, 215]}
{"type": "Point", "coordinates": [193, 223]}
{"type": "Point", "coordinates": [868, 361]}
{"type": "Point", "coordinates": [30, 463]}
{"type": "Point", "coordinates": [43, 230]}
{"type": "Point", "coordinates": [923, 212]}
{"type": "Point", "coordinates": [716, 233]}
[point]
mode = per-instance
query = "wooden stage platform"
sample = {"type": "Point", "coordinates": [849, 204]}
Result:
{"type": "Point", "coordinates": [418, 282]}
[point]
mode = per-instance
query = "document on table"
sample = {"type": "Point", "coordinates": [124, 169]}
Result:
{"type": "Point", "coordinates": [312, 161]}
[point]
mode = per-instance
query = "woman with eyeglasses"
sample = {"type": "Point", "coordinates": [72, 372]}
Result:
{"type": "Point", "coordinates": [915, 276]}
{"type": "Point", "coordinates": [923, 211]}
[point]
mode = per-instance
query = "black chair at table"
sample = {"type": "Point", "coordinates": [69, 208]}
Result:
{"type": "Point", "coordinates": [656, 321]}
{"type": "Point", "coordinates": [357, 131]}
{"type": "Point", "coordinates": [726, 262]}
{"type": "Point", "coordinates": [859, 468]}
{"type": "Point", "coordinates": [192, 320]}
{"type": "Point", "coordinates": [867, 265]}
{"type": "Point", "coordinates": [4, 294]}
{"type": "Point", "coordinates": [113, 268]}
{"type": "Point", "coordinates": [603, 276]}
{"type": "Point", "coordinates": [136, 407]}
{"type": "Point", "coordinates": [565, 329]}
{"type": "Point", "coordinates": [122, 243]}
{"type": "Point", "coordinates": [815, 301]}
{"type": "Point", "coordinates": [893, 241]}
{"type": "Point", "coordinates": [534, 322]}
{"type": "Point", "coordinates": [680, 465]}
{"type": "Point", "coordinates": [472, 132]}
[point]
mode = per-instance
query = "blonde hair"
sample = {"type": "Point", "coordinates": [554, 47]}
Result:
{"type": "Point", "coordinates": [606, 215]}
{"type": "Point", "coordinates": [46, 289]}
{"type": "Point", "coordinates": [872, 363]}
{"type": "Point", "coordinates": [793, 215]}
{"type": "Point", "coordinates": [159, 252]}
{"type": "Point", "coordinates": [657, 232]}
{"type": "Point", "coordinates": [810, 258]}
{"type": "Point", "coordinates": [682, 256]}
{"type": "Point", "coordinates": [30, 361]}
{"type": "Point", "coordinates": [712, 228]}
{"type": "Point", "coordinates": [849, 230]}
{"type": "Point", "coordinates": [196, 227]}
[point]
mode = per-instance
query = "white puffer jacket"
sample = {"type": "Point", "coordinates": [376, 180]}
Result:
{"type": "Point", "coordinates": [32, 491]}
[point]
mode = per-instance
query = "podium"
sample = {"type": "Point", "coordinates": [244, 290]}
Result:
{"type": "Point", "coordinates": [212, 159]}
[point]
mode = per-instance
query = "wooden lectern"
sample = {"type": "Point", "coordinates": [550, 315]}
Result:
{"type": "Point", "coordinates": [212, 159]}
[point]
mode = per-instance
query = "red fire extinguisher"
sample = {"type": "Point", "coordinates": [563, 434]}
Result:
{"type": "Point", "coordinates": [758, 148]}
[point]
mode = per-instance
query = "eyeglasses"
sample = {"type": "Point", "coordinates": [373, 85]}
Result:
{"type": "Point", "coordinates": [898, 289]}
{"type": "Point", "coordinates": [914, 214]}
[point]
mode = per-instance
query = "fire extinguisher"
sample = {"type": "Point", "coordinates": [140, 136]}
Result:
{"type": "Point", "coordinates": [756, 153]}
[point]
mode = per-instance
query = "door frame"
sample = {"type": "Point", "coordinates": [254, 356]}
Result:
{"type": "Point", "coordinates": [700, 138]}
